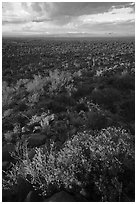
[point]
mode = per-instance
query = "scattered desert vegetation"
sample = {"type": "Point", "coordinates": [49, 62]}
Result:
{"type": "Point", "coordinates": [68, 123]}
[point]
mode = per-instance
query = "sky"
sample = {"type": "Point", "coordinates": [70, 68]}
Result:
{"type": "Point", "coordinates": [68, 19]}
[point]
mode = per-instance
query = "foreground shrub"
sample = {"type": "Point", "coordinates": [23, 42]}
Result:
{"type": "Point", "coordinates": [98, 160]}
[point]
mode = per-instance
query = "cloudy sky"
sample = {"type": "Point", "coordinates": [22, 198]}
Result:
{"type": "Point", "coordinates": [68, 18]}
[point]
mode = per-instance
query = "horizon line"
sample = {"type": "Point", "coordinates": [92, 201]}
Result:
{"type": "Point", "coordinates": [71, 36]}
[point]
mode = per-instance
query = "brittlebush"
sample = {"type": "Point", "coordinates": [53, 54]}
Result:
{"type": "Point", "coordinates": [98, 158]}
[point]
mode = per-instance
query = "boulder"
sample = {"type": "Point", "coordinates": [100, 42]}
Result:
{"type": "Point", "coordinates": [23, 188]}
{"type": "Point", "coordinates": [36, 140]}
{"type": "Point", "coordinates": [33, 197]}
{"type": "Point", "coordinates": [18, 192]}
{"type": "Point", "coordinates": [8, 196]}
{"type": "Point", "coordinates": [5, 165]}
{"type": "Point", "coordinates": [61, 197]}
{"type": "Point", "coordinates": [6, 152]}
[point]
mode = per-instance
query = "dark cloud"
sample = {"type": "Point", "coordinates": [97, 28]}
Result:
{"type": "Point", "coordinates": [38, 20]}
{"type": "Point", "coordinates": [36, 7]}
{"type": "Point", "coordinates": [81, 8]}
{"type": "Point", "coordinates": [62, 13]}
{"type": "Point", "coordinates": [63, 20]}
{"type": "Point", "coordinates": [60, 9]}
{"type": "Point", "coordinates": [4, 22]}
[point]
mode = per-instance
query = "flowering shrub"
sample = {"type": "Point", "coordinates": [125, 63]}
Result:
{"type": "Point", "coordinates": [37, 84]}
{"type": "Point", "coordinates": [29, 91]}
{"type": "Point", "coordinates": [97, 159]}
{"type": "Point", "coordinates": [7, 113]}
{"type": "Point", "coordinates": [56, 82]}
{"type": "Point", "coordinates": [43, 119]}
{"type": "Point", "coordinates": [7, 94]}
{"type": "Point", "coordinates": [21, 83]}
{"type": "Point", "coordinates": [32, 99]}
{"type": "Point", "coordinates": [8, 136]}
{"type": "Point", "coordinates": [60, 81]}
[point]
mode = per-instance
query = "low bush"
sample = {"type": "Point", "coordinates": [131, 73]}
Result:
{"type": "Point", "coordinates": [127, 110]}
{"type": "Point", "coordinates": [81, 107]}
{"type": "Point", "coordinates": [96, 120]}
{"type": "Point", "coordinates": [125, 82]}
{"type": "Point", "coordinates": [83, 90]}
{"type": "Point", "coordinates": [106, 97]}
{"type": "Point", "coordinates": [65, 99]}
{"type": "Point", "coordinates": [100, 159]}
{"type": "Point", "coordinates": [60, 82]}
